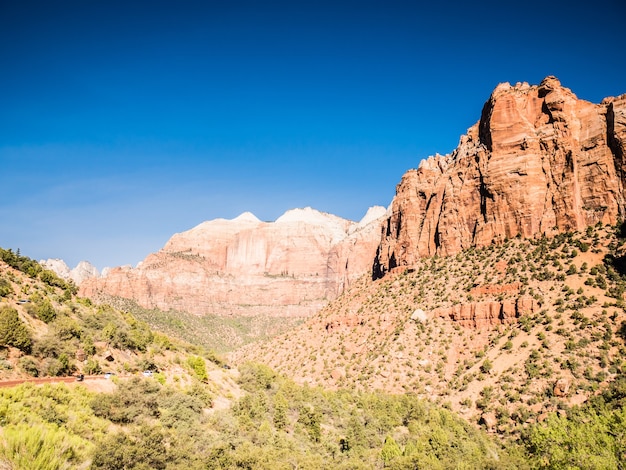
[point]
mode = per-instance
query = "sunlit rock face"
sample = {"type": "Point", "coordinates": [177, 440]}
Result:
{"type": "Point", "coordinates": [83, 270]}
{"type": "Point", "coordinates": [245, 266]}
{"type": "Point", "coordinates": [539, 161]}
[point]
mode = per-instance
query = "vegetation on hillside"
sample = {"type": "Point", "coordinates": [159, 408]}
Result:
{"type": "Point", "coordinates": [568, 348]}
{"type": "Point", "coordinates": [216, 332]}
{"type": "Point", "coordinates": [46, 330]}
{"type": "Point", "coordinates": [170, 421]}
{"type": "Point", "coordinates": [275, 425]}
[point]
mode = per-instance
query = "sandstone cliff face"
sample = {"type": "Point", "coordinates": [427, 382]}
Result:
{"type": "Point", "coordinates": [289, 267]}
{"type": "Point", "coordinates": [539, 161]}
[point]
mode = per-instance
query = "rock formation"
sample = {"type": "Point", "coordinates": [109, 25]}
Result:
{"type": "Point", "coordinates": [488, 313]}
{"type": "Point", "coordinates": [539, 161]}
{"type": "Point", "coordinates": [83, 270]}
{"type": "Point", "coordinates": [289, 267]}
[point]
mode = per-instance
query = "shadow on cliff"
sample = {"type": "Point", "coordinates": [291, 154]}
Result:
{"type": "Point", "coordinates": [618, 259]}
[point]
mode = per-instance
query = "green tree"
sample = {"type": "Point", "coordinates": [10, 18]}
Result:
{"type": "Point", "coordinates": [5, 287]}
{"type": "Point", "coordinates": [13, 332]}
{"type": "Point", "coordinates": [280, 410]}
{"type": "Point", "coordinates": [45, 311]}
{"type": "Point", "coordinates": [311, 420]}
{"type": "Point", "coordinates": [390, 450]}
{"type": "Point", "coordinates": [198, 366]}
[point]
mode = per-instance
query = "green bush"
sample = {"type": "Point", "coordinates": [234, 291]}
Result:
{"type": "Point", "coordinates": [144, 448]}
{"type": "Point", "coordinates": [254, 377]}
{"type": "Point", "coordinates": [13, 332]}
{"type": "Point", "coordinates": [28, 365]}
{"type": "Point", "coordinates": [45, 311]}
{"type": "Point", "coordinates": [198, 366]}
{"type": "Point", "coordinates": [134, 400]}
{"type": "Point", "coordinates": [40, 447]}
{"type": "Point", "coordinates": [5, 288]}
{"type": "Point", "coordinates": [92, 367]}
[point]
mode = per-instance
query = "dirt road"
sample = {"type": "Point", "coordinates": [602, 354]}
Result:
{"type": "Point", "coordinates": [45, 380]}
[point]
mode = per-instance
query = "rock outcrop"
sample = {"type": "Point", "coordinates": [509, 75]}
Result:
{"type": "Point", "coordinates": [488, 313]}
{"type": "Point", "coordinates": [290, 267]}
{"type": "Point", "coordinates": [539, 161]}
{"type": "Point", "coordinates": [83, 270]}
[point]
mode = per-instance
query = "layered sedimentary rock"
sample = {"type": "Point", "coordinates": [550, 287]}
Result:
{"type": "Point", "coordinates": [539, 161]}
{"type": "Point", "coordinates": [488, 313]}
{"type": "Point", "coordinates": [246, 267]}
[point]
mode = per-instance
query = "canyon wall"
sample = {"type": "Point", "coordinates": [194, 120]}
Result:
{"type": "Point", "coordinates": [290, 267]}
{"type": "Point", "coordinates": [539, 161]}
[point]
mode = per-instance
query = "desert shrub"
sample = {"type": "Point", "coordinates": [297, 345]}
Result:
{"type": "Point", "coordinates": [256, 377]}
{"type": "Point", "coordinates": [49, 346]}
{"type": "Point", "coordinates": [133, 401]}
{"type": "Point", "coordinates": [55, 367]}
{"type": "Point", "coordinates": [198, 366]}
{"type": "Point", "coordinates": [13, 332]}
{"type": "Point", "coordinates": [45, 311]}
{"type": "Point", "coordinates": [486, 366]}
{"type": "Point", "coordinates": [127, 333]}
{"type": "Point", "coordinates": [50, 278]}
{"type": "Point", "coordinates": [92, 367]}
{"type": "Point", "coordinates": [28, 365]}
{"type": "Point", "coordinates": [179, 409]}
{"type": "Point", "coordinates": [40, 446]}
{"type": "Point", "coordinates": [5, 287]}
{"type": "Point", "coordinates": [143, 448]}
{"type": "Point", "coordinates": [67, 328]}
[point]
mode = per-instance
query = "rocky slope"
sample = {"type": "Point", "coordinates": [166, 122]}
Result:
{"type": "Point", "coordinates": [539, 161]}
{"type": "Point", "coordinates": [290, 267]}
{"type": "Point", "coordinates": [502, 334]}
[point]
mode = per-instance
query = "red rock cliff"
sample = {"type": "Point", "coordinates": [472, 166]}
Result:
{"type": "Point", "coordinates": [290, 267]}
{"type": "Point", "coordinates": [540, 160]}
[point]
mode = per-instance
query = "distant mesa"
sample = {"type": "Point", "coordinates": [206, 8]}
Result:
{"type": "Point", "coordinates": [290, 267]}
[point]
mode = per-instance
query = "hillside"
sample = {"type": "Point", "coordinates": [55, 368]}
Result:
{"type": "Point", "coordinates": [193, 411]}
{"type": "Point", "coordinates": [502, 334]}
{"type": "Point", "coordinates": [47, 331]}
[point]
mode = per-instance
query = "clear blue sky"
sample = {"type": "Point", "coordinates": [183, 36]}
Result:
{"type": "Point", "coordinates": [124, 122]}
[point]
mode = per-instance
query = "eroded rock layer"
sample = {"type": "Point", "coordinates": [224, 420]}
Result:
{"type": "Point", "coordinates": [290, 267]}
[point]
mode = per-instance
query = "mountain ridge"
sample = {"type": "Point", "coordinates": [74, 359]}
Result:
{"type": "Point", "coordinates": [539, 161]}
{"type": "Point", "coordinates": [289, 267]}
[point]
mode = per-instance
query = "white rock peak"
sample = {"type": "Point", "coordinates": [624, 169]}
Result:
{"type": "Point", "coordinates": [246, 217]}
{"type": "Point", "coordinates": [311, 216]}
{"type": "Point", "coordinates": [83, 270]}
{"type": "Point", "coordinates": [373, 213]}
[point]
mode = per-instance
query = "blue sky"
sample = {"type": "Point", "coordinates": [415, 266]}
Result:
{"type": "Point", "coordinates": [122, 123]}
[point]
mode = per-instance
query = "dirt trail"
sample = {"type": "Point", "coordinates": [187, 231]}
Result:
{"type": "Point", "coordinates": [93, 379]}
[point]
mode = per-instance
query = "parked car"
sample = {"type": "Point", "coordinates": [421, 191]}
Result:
{"type": "Point", "coordinates": [108, 375]}
{"type": "Point", "coordinates": [147, 373]}
{"type": "Point", "coordinates": [80, 377]}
